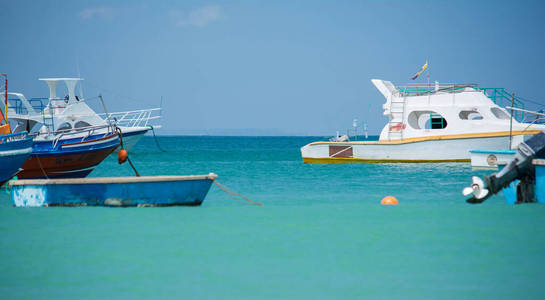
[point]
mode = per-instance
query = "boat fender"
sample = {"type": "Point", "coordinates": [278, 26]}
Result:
{"type": "Point", "coordinates": [122, 156]}
{"type": "Point", "coordinates": [389, 200]}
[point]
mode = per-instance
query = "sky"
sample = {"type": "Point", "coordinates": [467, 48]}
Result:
{"type": "Point", "coordinates": [268, 67]}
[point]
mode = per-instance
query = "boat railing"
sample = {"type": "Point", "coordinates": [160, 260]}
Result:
{"type": "Point", "coordinates": [134, 118]}
{"type": "Point", "coordinates": [13, 137]}
{"type": "Point", "coordinates": [504, 99]}
{"type": "Point", "coordinates": [410, 90]}
{"type": "Point", "coordinates": [86, 131]}
{"type": "Point", "coordinates": [539, 116]}
{"type": "Point", "coordinates": [501, 97]}
{"type": "Point", "coordinates": [38, 104]}
{"type": "Point", "coordinates": [82, 129]}
{"type": "Point", "coordinates": [16, 105]}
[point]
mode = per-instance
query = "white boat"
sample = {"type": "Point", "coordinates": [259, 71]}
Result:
{"type": "Point", "coordinates": [72, 112]}
{"type": "Point", "coordinates": [432, 123]}
{"type": "Point", "coordinates": [69, 139]}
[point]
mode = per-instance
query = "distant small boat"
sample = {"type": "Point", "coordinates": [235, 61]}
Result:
{"type": "Point", "coordinates": [113, 191]}
{"type": "Point", "coordinates": [15, 149]}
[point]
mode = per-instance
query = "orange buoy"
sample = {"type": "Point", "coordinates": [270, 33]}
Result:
{"type": "Point", "coordinates": [389, 200]}
{"type": "Point", "coordinates": [122, 156]}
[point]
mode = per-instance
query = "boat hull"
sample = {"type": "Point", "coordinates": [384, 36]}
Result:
{"type": "Point", "coordinates": [68, 159]}
{"type": "Point", "coordinates": [490, 159]}
{"type": "Point", "coordinates": [510, 192]}
{"type": "Point", "coordinates": [113, 191]}
{"type": "Point", "coordinates": [540, 180]}
{"type": "Point", "coordinates": [13, 155]}
{"type": "Point", "coordinates": [451, 150]}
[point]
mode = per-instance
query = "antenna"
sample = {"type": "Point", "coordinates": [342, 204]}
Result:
{"type": "Point", "coordinates": [79, 76]}
{"type": "Point", "coordinates": [161, 107]}
{"type": "Point", "coordinates": [105, 111]}
{"type": "Point", "coordinates": [355, 125]}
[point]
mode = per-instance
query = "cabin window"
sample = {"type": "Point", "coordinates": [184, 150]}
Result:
{"type": "Point", "coordinates": [500, 114]}
{"type": "Point", "coordinates": [437, 122]}
{"type": "Point", "coordinates": [470, 115]}
{"type": "Point", "coordinates": [64, 127]}
{"type": "Point", "coordinates": [80, 124]}
{"type": "Point", "coordinates": [426, 120]}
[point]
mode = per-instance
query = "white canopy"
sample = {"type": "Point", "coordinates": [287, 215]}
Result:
{"type": "Point", "coordinates": [70, 86]}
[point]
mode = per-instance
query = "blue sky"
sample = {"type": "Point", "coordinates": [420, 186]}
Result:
{"type": "Point", "coordinates": [269, 67]}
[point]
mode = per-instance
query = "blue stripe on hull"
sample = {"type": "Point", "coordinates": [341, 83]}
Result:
{"type": "Point", "coordinates": [45, 148]}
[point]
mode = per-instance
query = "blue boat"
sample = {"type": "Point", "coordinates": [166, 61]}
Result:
{"type": "Point", "coordinates": [113, 191]}
{"type": "Point", "coordinates": [510, 192]}
{"type": "Point", "coordinates": [15, 149]}
{"type": "Point", "coordinates": [540, 180]}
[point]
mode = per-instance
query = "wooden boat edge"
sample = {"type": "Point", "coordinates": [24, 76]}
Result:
{"type": "Point", "coordinates": [112, 180]}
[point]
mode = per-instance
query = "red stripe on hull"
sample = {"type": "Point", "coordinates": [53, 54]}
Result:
{"type": "Point", "coordinates": [59, 165]}
{"type": "Point", "coordinates": [112, 136]}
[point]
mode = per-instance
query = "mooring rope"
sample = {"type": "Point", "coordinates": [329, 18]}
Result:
{"type": "Point", "coordinates": [123, 147]}
{"type": "Point", "coordinates": [234, 194]}
{"type": "Point", "coordinates": [41, 168]}
{"type": "Point", "coordinates": [155, 137]}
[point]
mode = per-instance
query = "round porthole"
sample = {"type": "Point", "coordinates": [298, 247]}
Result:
{"type": "Point", "coordinates": [492, 160]}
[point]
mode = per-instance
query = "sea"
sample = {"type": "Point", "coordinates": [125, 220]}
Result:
{"type": "Point", "coordinates": [320, 234]}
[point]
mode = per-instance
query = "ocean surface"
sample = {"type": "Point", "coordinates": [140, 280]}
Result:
{"type": "Point", "coordinates": [321, 234]}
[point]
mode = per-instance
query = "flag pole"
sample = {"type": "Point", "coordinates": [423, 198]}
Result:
{"type": "Point", "coordinates": [428, 73]}
{"type": "Point", "coordinates": [5, 116]}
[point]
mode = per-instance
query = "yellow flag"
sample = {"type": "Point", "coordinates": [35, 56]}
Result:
{"type": "Point", "coordinates": [424, 67]}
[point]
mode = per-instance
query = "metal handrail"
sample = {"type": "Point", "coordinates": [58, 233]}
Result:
{"type": "Point", "coordinates": [426, 89]}
{"type": "Point", "coordinates": [526, 111]}
{"type": "Point", "coordinates": [500, 97]}
{"type": "Point", "coordinates": [73, 130]}
{"type": "Point", "coordinates": [13, 137]}
{"type": "Point", "coordinates": [66, 132]}
{"type": "Point", "coordinates": [440, 83]}
{"type": "Point", "coordinates": [133, 118]}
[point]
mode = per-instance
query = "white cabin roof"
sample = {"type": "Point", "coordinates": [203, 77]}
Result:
{"type": "Point", "coordinates": [60, 79]}
{"type": "Point", "coordinates": [460, 109]}
{"type": "Point", "coordinates": [70, 86]}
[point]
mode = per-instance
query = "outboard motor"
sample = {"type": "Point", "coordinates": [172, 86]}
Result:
{"type": "Point", "coordinates": [520, 168]}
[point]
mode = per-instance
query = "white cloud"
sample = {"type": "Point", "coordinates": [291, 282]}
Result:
{"type": "Point", "coordinates": [198, 17]}
{"type": "Point", "coordinates": [96, 12]}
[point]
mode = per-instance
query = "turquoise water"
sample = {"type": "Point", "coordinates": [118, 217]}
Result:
{"type": "Point", "coordinates": [321, 234]}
